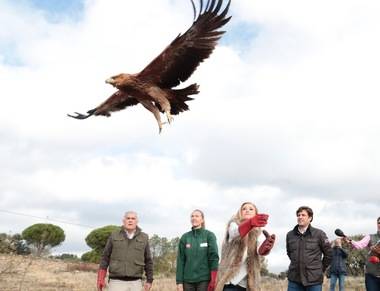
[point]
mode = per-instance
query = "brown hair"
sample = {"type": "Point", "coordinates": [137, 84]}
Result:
{"type": "Point", "coordinates": [307, 209]}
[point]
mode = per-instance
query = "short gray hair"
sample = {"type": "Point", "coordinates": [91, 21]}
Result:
{"type": "Point", "coordinates": [131, 212]}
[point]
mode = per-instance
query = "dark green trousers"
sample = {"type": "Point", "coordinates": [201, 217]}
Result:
{"type": "Point", "coordinates": [200, 286]}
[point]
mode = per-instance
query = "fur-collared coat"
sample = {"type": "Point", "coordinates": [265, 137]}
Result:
{"type": "Point", "coordinates": [232, 256]}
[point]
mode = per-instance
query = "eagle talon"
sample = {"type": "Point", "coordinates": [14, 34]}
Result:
{"type": "Point", "coordinates": [79, 115]}
{"type": "Point", "coordinates": [160, 127]}
{"type": "Point", "coordinates": [169, 117]}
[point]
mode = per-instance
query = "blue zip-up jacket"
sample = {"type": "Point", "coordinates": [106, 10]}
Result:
{"type": "Point", "coordinates": [338, 262]}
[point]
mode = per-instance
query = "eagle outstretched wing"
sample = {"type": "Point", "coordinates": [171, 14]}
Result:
{"type": "Point", "coordinates": [181, 58]}
{"type": "Point", "coordinates": [117, 101]}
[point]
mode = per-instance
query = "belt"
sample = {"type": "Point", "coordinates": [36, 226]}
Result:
{"type": "Point", "coordinates": [126, 278]}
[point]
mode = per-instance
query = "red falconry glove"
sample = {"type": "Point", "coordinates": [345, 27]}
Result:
{"type": "Point", "coordinates": [267, 244]}
{"type": "Point", "coordinates": [258, 220]}
{"type": "Point", "coordinates": [374, 259]}
{"type": "Point", "coordinates": [212, 284]}
{"type": "Point", "coordinates": [101, 282]}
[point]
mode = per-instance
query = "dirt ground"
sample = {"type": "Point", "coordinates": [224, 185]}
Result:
{"type": "Point", "coordinates": [18, 273]}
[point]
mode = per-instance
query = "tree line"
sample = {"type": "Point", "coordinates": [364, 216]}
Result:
{"type": "Point", "coordinates": [39, 239]}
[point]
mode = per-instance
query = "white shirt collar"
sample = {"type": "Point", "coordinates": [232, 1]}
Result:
{"type": "Point", "coordinates": [130, 235]}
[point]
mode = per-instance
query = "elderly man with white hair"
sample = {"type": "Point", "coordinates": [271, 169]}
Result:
{"type": "Point", "coordinates": [126, 255]}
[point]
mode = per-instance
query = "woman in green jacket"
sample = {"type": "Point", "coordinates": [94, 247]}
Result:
{"type": "Point", "coordinates": [197, 258]}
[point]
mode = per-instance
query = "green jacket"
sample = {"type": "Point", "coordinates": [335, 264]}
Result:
{"type": "Point", "coordinates": [197, 256]}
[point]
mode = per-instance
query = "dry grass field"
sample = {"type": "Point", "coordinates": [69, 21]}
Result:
{"type": "Point", "coordinates": [19, 273]}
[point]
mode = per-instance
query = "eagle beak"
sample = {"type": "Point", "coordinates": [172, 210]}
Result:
{"type": "Point", "coordinates": [110, 81]}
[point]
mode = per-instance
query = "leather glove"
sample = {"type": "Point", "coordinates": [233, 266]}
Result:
{"type": "Point", "coordinates": [258, 220]}
{"type": "Point", "coordinates": [101, 282]}
{"type": "Point", "coordinates": [267, 244]}
{"type": "Point", "coordinates": [212, 284]}
{"type": "Point", "coordinates": [374, 260]}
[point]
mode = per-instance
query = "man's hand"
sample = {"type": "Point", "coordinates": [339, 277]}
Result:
{"type": "Point", "coordinates": [259, 220]}
{"type": "Point", "coordinates": [347, 240]}
{"type": "Point", "coordinates": [179, 287]}
{"type": "Point", "coordinates": [147, 286]}
{"type": "Point", "coordinates": [268, 244]}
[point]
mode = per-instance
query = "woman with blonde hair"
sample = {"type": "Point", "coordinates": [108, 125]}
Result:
{"type": "Point", "coordinates": [239, 268]}
{"type": "Point", "coordinates": [197, 259]}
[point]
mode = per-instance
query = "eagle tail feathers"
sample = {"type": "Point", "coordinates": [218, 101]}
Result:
{"type": "Point", "coordinates": [180, 96]}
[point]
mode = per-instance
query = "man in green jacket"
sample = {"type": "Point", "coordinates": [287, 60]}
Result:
{"type": "Point", "coordinates": [197, 259]}
{"type": "Point", "coordinates": [126, 255]}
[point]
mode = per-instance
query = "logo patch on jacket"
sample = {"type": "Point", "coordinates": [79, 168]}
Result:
{"type": "Point", "coordinates": [203, 245]}
{"type": "Point", "coordinates": [188, 246]}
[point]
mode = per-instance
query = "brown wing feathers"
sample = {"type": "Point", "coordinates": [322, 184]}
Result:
{"type": "Point", "coordinates": [117, 101]}
{"type": "Point", "coordinates": [181, 58]}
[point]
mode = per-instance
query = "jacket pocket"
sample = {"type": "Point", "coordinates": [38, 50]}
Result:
{"type": "Point", "coordinates": [118, 242]}
{"type": "Point", "coordinates": [139, 246]}
{"type": "Point", "coordinates": [311, 245]}
{"type": "Point", "coordinates": [139, 267]}
{"type": "Point", "coordinates": [116, 268]}
{"type": "Point", "coordinates": [293, 253]}
{"type": "Point", "coordinates": [314, 274]}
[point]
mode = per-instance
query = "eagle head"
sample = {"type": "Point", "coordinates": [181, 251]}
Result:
{"type": "Point", "coordinates": [120, 80]}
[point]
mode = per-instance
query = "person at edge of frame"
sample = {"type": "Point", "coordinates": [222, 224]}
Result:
{"type": "Point", "coordinates": [372, 267]}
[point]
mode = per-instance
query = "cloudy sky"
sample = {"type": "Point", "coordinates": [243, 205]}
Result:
{"type": "Point", "coordinates": [288, 115]}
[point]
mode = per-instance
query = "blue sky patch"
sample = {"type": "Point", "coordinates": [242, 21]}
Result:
{"type": "Point", "coordinates": [240, 35]}
{"type": "Point", "coordinates": [8, 55]}
{"type": "Point", "coordinates": [55, 10]}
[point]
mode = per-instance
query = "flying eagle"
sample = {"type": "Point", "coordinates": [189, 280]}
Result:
{"type": "Point", "coordinates": [153, 86]}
